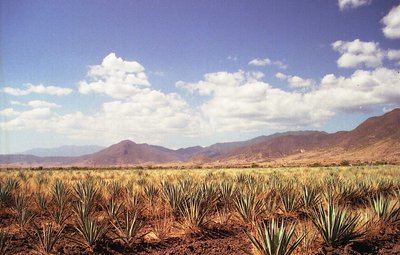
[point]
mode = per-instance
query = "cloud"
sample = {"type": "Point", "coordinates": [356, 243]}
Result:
{"type": "Point", "coordinates": [8, 112]}
{"type": "Point", "coordinates": [42, 104]}
{"type": "Point", "coordinates": [38, 89]}
{"type": "Point", "coordinates": [391, 23]}
{"type": "Point", "coordinates": [296, 81]}
{"type": "Point", "coordinates": [267, 61]}
{"type": "Point", "coordinates": [134, 110]}
{"type": "Point", "coordinates": [227, 101]}
{"type": "Point", "coordinates": [394, 55]}
{"type": "Point", "coordinates": [351, 4]}
{"type": "Point", "coordinates": [281, 76]}
{"type": "Point", "coordinates": [358, 54]}
{"type": "Point", "coordinates": [115, 77]}
{"type": "Point", "coordinates": [242, 101]}
{"type": "Point", "coordinates": [260, 62]}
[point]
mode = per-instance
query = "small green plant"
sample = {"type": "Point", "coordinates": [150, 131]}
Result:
{"type": "Point", "coordinates": [86, 192]}
{"type": "Point", "coordinates": [41, 201]}
{"type": "Point", "coordinates": [275, 239]}
{"type": "Point", "coordinates": [173, 195]}
{"type": "Point", "coordinates": [48, 236]}
{"type": "Point", "coordinates": [90, 230]}
{"type": "Point", "coordinates": [5, 193]}
{"type": "Point", "coordinates": [112, 208]}
{"type": "Point", "coordinates": [336, 225]}
{"type": "Point", "coordinates": [387, 211]}
{"type": "Point", "coordinates": [310, 197]}
{"type": "Point", "coordinates": [152, 193]}
{"type": "Point", "coordinates": [60, 193]}
{"type": "Point", "coordinates": [249, 206]}
{"type": "Point", "coordinates": [290, 201]}
{"type": "Point", "coordinates": [59, 215]}
{"type": "Point", "coordinates": [127, 229]}
{"type": "Point", "coordinates": [24, 216]}
{"type": "Point", "coordinates": [195, 209]}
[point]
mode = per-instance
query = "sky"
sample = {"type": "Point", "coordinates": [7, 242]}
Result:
{"type": "Point", "coordinates": [185, 73]}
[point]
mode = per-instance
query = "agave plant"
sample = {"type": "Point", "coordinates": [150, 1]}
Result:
{"type": "Point", "coordinates": [127, 229]}
{"type": "Point", "coordinates": [48, 236]}
{"type": "Point", "coordinates": [4, 242]}
{"type": "Point", "coordinates": [347, 193]}
{"type": "Point", "coordinates": [336, 225]}
{"type": "Point", "coordinates": [195, 209]}
{"type": "Point", "coordinates": [227, 191]}
{"type": "Point", "coordinates": [90, 230]}
{"type": "Point", "coordinates": [60, 215]}
{"type": "Point", "coordinates": [24, 216]}
{"type": "Point", "coordinates": [387, 211]}
{"type": "Point", "coordinates": [86, 192]}
{"type": "Point", "coordinates": [5, 193]}
{"type": "Point", "coordinates": [162, 226]}
{"type": "Point", "coordinates": [290, 200]}
{"type": "Point", "coordinates": [310, 197]}
{"type": "Point", "coordinates": [249, 206]}
{"type": "Point", "coordinates": [60, 193]}
{"type": "Point", "coordinates": [275, 239]}
{"type": "Point", "coordinates": [173, 195]}
{"type": "Point", "coordinates": [20, 202]}
{"type": "Point", "coordinates": [12, 184]}
{"type": "Point", "coordinates": [152, 193]}
{"type": "Point", "coordinates": [115, 189]}
{"type": "Point", "coordinates": [41, 201]}
{"type": "Point", "coordinates": [112, 207]}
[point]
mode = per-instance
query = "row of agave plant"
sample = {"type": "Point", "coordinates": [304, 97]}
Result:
{"type": "Point", "coordinates": [268, 207]}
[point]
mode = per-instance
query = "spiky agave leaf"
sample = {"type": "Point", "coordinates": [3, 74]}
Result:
{"type": "Point", "coordinates": [275, 239]}
{"type": "Point", "coordinates": [387, 211]}
{"type": "Point", "coordinates": [196, 207]}
{"type": "Point", "coordinates": [48, 237]}
{"type": "Point", "coordinates": [60, 193]}
{"type": "Point", "coordinates": [310, 197]}
{"type": "Point", "coordinates": [249, 206]}
{"type": "Point", "coordinates": [336, 225]}
{"type": "Point", "coordinates": [90, 230]}
{"type": "Point", "coordinates": [127, 229]}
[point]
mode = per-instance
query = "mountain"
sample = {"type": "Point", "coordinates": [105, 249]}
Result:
{"type": "Point", "coordinates": [64, 151]}
{"type": "Point", "coordinates": [128, 153]}
{"type": "Point", "coordinates": [376, 139]}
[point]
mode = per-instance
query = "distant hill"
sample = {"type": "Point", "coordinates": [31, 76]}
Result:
{"type": "Point", "coordinates": [64, 151]}
{"type": "Point", "coordinates": [129, 153]}
{"type": "Point", "coordinates": [376, 139]}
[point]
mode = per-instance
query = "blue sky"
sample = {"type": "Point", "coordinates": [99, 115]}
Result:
{"type": "Point", "coordinates": [183, 73]}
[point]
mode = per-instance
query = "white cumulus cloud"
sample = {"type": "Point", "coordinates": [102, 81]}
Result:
{"type": "Point", "coordinates": [391, 23]}
{"type": "Point", "coordinates": [358, 53]}
{"type": "Point", "coordinates": [267, 61]}
{"type": "Point", "coordinates": [296, 81]}
{"type": "Point", "coordinates": [242, 101]}
{"type": "Point", "coordinates": [42, 104]}
{"type": "Point", "coordinates": [115, 77]}
{"type": "Point", "coordinates": [38, 89]}
{"type": "Point", "coordinates": [350, 4]}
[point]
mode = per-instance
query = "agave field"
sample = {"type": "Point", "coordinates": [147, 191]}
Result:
{"type": "Point", "coordinates": [274, 211]}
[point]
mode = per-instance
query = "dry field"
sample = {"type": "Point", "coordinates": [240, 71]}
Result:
{"type": "Point", "coordinates": [340, 210]}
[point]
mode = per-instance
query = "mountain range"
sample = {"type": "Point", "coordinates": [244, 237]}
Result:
{"type": "Point", "coordinates": [376, 139]}
{"type": "Point", "coordinates": [64, 151]}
